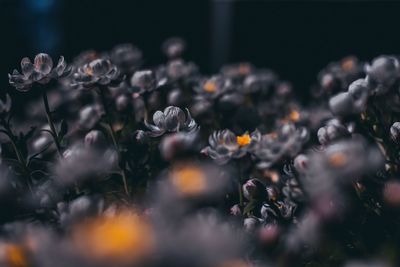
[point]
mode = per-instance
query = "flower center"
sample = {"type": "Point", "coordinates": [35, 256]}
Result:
{"type": "Point", "coordinates": [338, 160]}
{"type": "Point", "coordinates": [210, 87]}
{"type": "Point", "coordinates": [189, 180]}
{"type": "Point", "coordinates": [243, 140]}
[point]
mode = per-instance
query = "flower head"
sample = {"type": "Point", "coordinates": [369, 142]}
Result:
{"type": "Point", "coordinates": [40, 71]}
{"type": "Point", "coordinates": [127, 57]}
{"type": "Point", "coordinates": [225, 145]}
{"type": "Point", "coordinates": [172, 119]}
{"type": "Point", "coordinates": [98, 72]}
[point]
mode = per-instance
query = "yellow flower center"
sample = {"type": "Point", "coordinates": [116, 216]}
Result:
{"type": "Point", "coordinates": [338, 160]}
{"type": "Point", "coordinates": [210, 87]}
{"type": "Point", "coordinates": [15, 256]}
{"type": "Point", "coordinates": [123, 237]}
{"type": "Point", "coordinates": [189, 180]}
{"type": "Point", "coordinates": [243, 140]}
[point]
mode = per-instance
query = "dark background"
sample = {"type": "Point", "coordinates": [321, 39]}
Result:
{"type": "Point", "coordinates": [294, 38]}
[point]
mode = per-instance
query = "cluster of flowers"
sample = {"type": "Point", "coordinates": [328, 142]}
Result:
{"type": "Point", "coordinates": [122, 164]}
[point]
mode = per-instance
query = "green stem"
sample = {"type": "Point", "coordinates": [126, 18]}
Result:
{"type": "Point", "coordinates": [51, 124]}
{"type": "Point", "coordinates": [114, 139]}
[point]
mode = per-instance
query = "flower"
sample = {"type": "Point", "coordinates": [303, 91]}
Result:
{"type": "Point", "coordinates": [178, 144]}
{"type": "Point", "coordinates": [172, 119]}
{"type": "Point", "coordinates": [337, 76]}
{"type": "Point", "coordinates": [225, 145]}
{"type": "Point", "coordinates": [143, 81]}
{"type": "Point", "coordinates": [382, 73]}
{"type": "Point", "coordinates": [174, 47]}
{"type": "Point", "coordinates": [81, 162]}
{"type": "Point", "coordinates": [332, 131]}
{"type": "Point", "coordinates": [286, 142]}
{"type": "Point", "coordinates": [127, 57]}
{"type": "Point", "coordinates": [211, 88]}
{"type": "Point", "coordinates": [260, 81]}
{"type": "Point", "coordinates": [98, 72]}
{"type": "Point", "coordinates": [41, 71]}
{"type": "Point", "coordinates": [125, 238]}
{"type": "Point", "coordinates": [395, 132]}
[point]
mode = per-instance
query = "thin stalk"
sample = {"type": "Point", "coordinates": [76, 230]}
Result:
{"type": "Point", "coordinates": [113, 137]}
{"type": "Point", "coordinates": [51, 124]}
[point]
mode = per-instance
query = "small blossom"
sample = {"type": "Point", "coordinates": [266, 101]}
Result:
{"type": "Point", "coordinates": [174, 47]}
{"type": "Point", "coordinates": [98, 72]}
{"type": "Point", "coordinates": [172, 119]}
{"type": "Point", "coordinates": [127, 57]}
{"type": "Point", "coordinates": [40, 71]}
{"type": "Point", "coordinates": [143, 81]}
{"type": "Point", "coordinates": [225, 145]}
{"type": "Point", "coordinates": [287, 142]}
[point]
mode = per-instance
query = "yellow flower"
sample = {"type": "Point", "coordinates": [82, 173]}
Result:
{"type": "Point", "coordinates": [124, 237]}
{"type": "Point", "coordinates": [243, 140]}
{"type": "Point", "coordinates": [189, 180]}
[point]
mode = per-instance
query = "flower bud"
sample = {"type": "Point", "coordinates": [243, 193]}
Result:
{"type": "Point", "coordinates": [342, 104]}
{"type": "Point", "coordinates": [95, 138]}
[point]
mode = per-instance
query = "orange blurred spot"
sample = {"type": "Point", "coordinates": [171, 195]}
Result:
{"type": "Point", "coordinates": [338, 159]}
{"type": "Point", "coordinates": [210, 87]}
{"type": "Point", "coordinates": [243, 140]}
{"type": "Point", "coordinates": [189, 180]}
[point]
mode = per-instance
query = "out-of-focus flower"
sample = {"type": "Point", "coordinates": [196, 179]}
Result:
{"type": "Point", "coordinates": [341, 163]}
{"type": "Point", "coordinates": [342, 104]}
{"type": "Point", "coordinates": [89, 116]}
{"type": "Point", "coordinates": [123, 238]}
{"type": "Point", "coordinates": [212, 88]}
{"type": "Point", "coordinates": [79, 209]}
{"type": "Point", "coordinates": [40, 71]}
{"type": "Point", "coordinates": [81, 162]}
{"type": "Point", "coordinates": [5, 106]}
{"type": "Point", "coordinates": [143, 81]}
{"type": "Point", "coordinates": [98, 72]}
{"type": "Point", "coordinates": [172, 119]}
{"type": "Point", "coordinates": [127, 57]}
{"type": "Point", "coordinates": [174, 47]}
{"type": "Point", "coordinates": [175, 70]}
{"type": "Point", "coordinates": [260, 81]}
{"type": "Point", "coordinates": [237, 71]}
{"type": "Point", "coordinates": [334, 130]}
{"type": "Point", "coordinates": [337, 76]}
{"type": "Point", "coordinates": [287, 141]}
{"type": "Point", "coordinates": [225, 145]}
{"type": "Point", "coordinates": [382, 73]}
{"type": "Point", "coordinates": [196, 180]}
{"type": "Point", "coordinates": [360, 91]}
{"type": "Point", "coordinates": [178, 144]}
{"type": "Point", "coordinates": [95, 138]}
